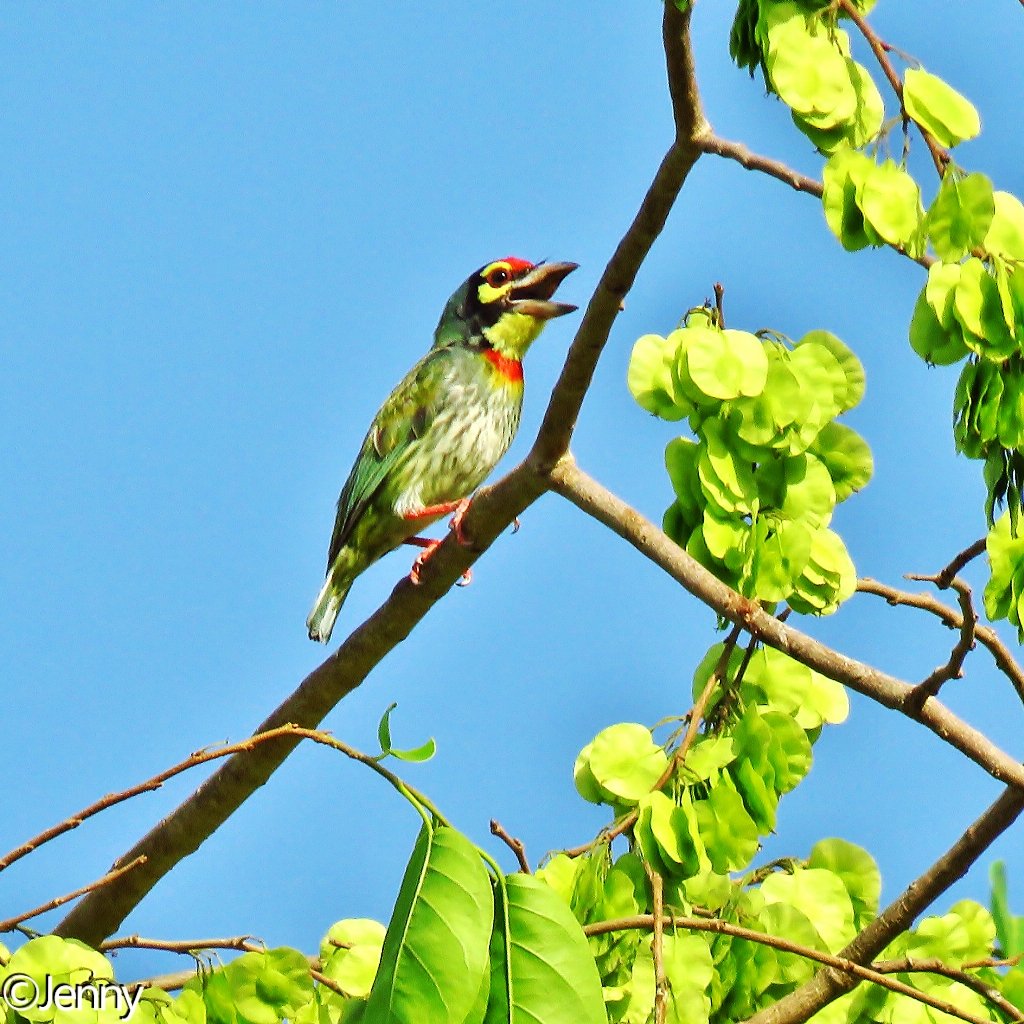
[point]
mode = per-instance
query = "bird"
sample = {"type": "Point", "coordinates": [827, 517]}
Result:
{"type": "Point", "coordinates": [443, 428]}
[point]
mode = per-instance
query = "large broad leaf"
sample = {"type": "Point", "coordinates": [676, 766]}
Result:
{"type": "Point", "coordinates": [434, 960]}
{"type": "Point", "coordinates": [542, 970]}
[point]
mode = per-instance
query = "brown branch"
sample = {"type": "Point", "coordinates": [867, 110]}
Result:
{"type": "Point", "coordinates": [752, 161]}
{"type": "Point", "coordinates": [953, 668]}
{"type": "Point", "coordinates": [828, 985]}
{"type": "Point", "coordinates": [880, 49]}
{"type": "Point", "coordinates": [945, 576]}
{"type": "Point", "coordinates": [245, 943]}
{"type": "Point", "coordinates": [515, 845]}
{"type": "Point", "coordinates": [848, 967]}
{"type": "Point", "coordinates": [588, 495]}
{"type": "Point", "coordinates": [494, 509]}
{"type": "Point", "coordinates": [658, 943]}
{"type": "Point", "coordinates": [11, 923]}
{"type": "Point", "coordinates": [986, 636]}
{"type": "Point", "coordinates": [910, 965]}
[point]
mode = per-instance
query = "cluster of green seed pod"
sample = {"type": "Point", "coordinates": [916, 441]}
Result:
{"type": "Point", "coordinates": [755, 492]}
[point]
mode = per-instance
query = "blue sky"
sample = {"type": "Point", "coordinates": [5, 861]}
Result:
{"type": "Point", "coordinates": [228, 231]}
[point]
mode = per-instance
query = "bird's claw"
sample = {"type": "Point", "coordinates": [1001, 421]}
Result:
{"type": "Point", "coordinates": [516, 524]}
{"type": "Point", "coordinates": [416, 572]}
{"type": "Point", "coordinates": [456, 524]}
{"type": "Point", "coordinates": [421, 560]}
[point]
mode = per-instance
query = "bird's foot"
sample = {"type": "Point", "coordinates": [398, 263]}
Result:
{"type": "Point", "coordinates": [456, 524]}
{"type": "Point", "coordinates": [429, 547]}
{"type": "Point", "coordinates": [516, 524]}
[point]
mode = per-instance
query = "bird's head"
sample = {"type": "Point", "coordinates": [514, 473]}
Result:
{"type": "Point", "coordinates": [504, 305]}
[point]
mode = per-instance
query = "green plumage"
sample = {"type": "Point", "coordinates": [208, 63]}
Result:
{"type": "Point", "coordinates": [436, 437]}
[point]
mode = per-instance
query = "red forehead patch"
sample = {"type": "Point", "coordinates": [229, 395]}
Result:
{"type": "Point", "coordinates": [518, 266]}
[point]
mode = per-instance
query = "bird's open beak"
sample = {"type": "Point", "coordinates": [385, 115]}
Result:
{"type": "Point", "coordinates": [531, 294]}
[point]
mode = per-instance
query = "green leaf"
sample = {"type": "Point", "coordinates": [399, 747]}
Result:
{"type": "Point", "coordinates": [961, 215]}
{"type": "Point", "coordinates": [846, 456]}
{"type": "Point", "coordinates": [979, 310]}
{"type": "Point", "coordinates": [935, 344]}
{"type": "Point", "coordinates": [351, 954]}
{"type": "Point", "coordinates": [939, 108]}
{"type": "Point", "coordinates": [649, 378]}
{"type": "Point", "coordinates": [853, 369]}
{"type": "Point", "coordinates": [845, 173]}
{"type": "Point", "coordinates": [424, 752]}
{"type": "Point", "coordinates": [858, 872]}
{"type": "Point", "coordinates": [807, 68]}
{"type": "Point", "coordinates": [542, 969]}
{"type": "Point", "coordinates": [726, 364]}
{"type": "Point", "coordinates": [434, 959]}
{"type": "Point", "coordinates": [1005, 235]}
{"type": "Point", "coordinates": [1009, 928]}
{"type": "Point", "coordinates": [727, 831]}
{"type": "Point", "coordinates": [891, 202]}
{"type": "Point", "coordinates": [820, 896]}
{"type": "Point", "coordinates": [625, 761]}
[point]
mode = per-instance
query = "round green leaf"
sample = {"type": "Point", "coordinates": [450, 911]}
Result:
{"type": "Point", "coordinates": [891, 202]}
{"type": "Point", "coordinates": [939, 108]}
{"type": "Point", "coordinates": [1005, 235]}
{"type": "Point", "coordinates": [846, 456]}
{"type": "Point", "coordinates": [961, 215]}
{"type": "Point", "coordinates": [626, 761]}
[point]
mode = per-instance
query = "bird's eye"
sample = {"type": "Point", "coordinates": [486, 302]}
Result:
{"type": "Point", "coordinates": [497, 277]}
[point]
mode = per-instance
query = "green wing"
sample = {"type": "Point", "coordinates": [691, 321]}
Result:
{"type": "Point", "coordinates": [402, 420]}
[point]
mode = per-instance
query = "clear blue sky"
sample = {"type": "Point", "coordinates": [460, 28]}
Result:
{"type": "Point", "coordinates": [228, 229]}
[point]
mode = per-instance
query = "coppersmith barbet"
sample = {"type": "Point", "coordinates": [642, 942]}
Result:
{"type": "Point", "coordinates": [444, 427]}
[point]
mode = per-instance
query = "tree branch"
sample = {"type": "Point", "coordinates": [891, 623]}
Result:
{"type": "Point", "coordinates": [587, 494]}
{"type": "Point", "coordinates": [828, 985]}
{"type": "Point", "coordinates": [515, 845]}
{"type": "Point", "coordinates": [986, 636]}
{"type": "Point", "coordinates": [752, 161]}
{"type": "Point", "coordinates": [910, 965]}
{"type": "Point", "coordinates": [184, 830]}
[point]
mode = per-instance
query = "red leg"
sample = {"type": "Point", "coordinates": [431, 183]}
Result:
{"type": "Point", "coordinates": [433, 511]}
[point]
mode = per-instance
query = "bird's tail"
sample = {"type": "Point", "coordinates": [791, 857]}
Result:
{"type": "Point", "coordinates": [327, 605]}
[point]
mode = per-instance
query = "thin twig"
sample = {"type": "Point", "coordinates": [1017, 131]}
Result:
{"type": "Point", "coordinates": [911, 965]}
{"type": "Point", "coordinates": [953, 668]}
{"type": "Point", "coordinates": [986, 636]}
{"type": "Point", "coordinates": [945, 576]}
{"type": "Point", "coordinates": [839, 963]}
{"type": "Point", "coordinates": [245, 943]}
{"type": "Point", "coordinates": [752, 161]}
{"type": "Point", "coordinates": [515, 845]}
{"type": "Point", "coordinates": [880, 49]}
{"type": "Point", "coordinates": [719, 290]}
{"type": "Point", "coordinates": [658, 943]}
{"type": "Point", "coordinates": [11, 923]}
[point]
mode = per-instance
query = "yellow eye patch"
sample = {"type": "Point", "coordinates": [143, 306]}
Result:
{"type": "Point", "coordinates": [497, 281]}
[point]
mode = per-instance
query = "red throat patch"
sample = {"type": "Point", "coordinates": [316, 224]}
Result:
{"type": "Point", "coordinates": [510, 369]}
